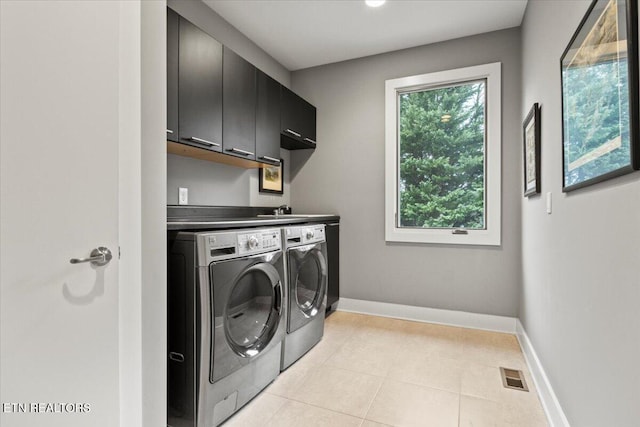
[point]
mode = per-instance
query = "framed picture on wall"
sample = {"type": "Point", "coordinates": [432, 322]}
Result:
{"type": "Point", "coordinates": [531, 141]}
{"type": "Point", "coordinates": [272, 178]}
{"type": "Point", "coordinates": [600, 95]}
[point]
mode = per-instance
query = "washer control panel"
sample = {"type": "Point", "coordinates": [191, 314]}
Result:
{"type": "Point", "coordinates": [224, 245]}
{"type": "Point", "coordinates": [258, 241]}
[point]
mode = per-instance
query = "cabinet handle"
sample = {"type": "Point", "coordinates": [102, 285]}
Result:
{"type": "Point", "coordinates": [271, 159]}
{"type": "Point", "coordinates": [169, 131]}
{"type": "Point", "coordinates": [176, 357]}
{"type": "Point", "coordinates": [204, 141]}
{"type": "Point", "coordinates": [293, 133]}
{"type": "Point", "coordinates": [310, 140]}
{"type": "Point", "coordinates": [239, 151]}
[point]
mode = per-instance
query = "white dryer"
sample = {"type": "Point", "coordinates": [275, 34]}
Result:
{"type": "Point", "coordinates": [306, 281]}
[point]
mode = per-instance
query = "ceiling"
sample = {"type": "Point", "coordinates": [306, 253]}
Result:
{"type": "Point", "coordinates": [305, 33]}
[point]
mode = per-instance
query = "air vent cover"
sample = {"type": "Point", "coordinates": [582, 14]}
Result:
{"type": "Point", "coordinates": [513, 379]}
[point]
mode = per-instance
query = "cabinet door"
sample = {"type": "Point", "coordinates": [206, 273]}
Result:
{"type": "Point", "coordinates": [239, 111]}
{"type": "Point", "coordinates": [308, 121]}
{"type": "Point", "coordinates": [298, 121]}
{"type": "Point", "coordinates": [200, 88]}
{"type": "Point", "coordinates": [173, 40]}
{"type": "Point", "coordinates": [332, 233]}
{"type": "Point", "coordinates": [268, 120]}
{"type": "Point", "coordinates": [290, 119]}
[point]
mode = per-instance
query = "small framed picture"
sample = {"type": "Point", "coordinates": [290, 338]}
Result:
{"type": "Point", "coordinates": [272, 178]}
{"type": "Point", "coordinates": [531, 140]}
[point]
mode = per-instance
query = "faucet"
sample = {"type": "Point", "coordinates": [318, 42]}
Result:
{"type": "Point", "coordinates": [281, 210]}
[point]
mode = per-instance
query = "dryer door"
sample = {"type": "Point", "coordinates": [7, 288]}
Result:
{"type": "Point", "coordinates": [307, 283]}
{"type": "Point", "coordinates": [248, 308]}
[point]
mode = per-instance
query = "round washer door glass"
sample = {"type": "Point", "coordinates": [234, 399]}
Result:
{"type": "Point", "coordinates": [310, 282]}
{"type": "Point", "coordinates": [253, 310]}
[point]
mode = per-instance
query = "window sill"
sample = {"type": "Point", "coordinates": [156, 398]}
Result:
{"type": "Point", "coordinates": [443, 237]}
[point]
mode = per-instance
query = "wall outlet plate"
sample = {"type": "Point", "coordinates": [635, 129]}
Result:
{"type": "Point", "coordinates": [183, 196]}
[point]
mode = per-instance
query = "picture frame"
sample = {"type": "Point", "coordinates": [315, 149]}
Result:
{"type": "Point", "coordinates": [271, 178]}
{"type": "Point", "coordinates": [599, 74]}
{"type": "Point", "coordinates": [531, 151]}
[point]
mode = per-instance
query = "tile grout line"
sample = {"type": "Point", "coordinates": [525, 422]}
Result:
{"type": "Point", "coordinates": [323, 408]}
{"type": "Point", "coordinates": [371, 403]}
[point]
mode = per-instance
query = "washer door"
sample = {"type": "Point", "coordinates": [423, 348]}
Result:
{"type": "Point", "coordinates": [248, 306]}
{"type": "Point", "coordinates": [253, 310]}
{"type": "Point", "coordinates": [307, 284]}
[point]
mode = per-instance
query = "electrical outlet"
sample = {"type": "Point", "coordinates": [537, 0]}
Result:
{"type": "Point", "coordinates": [183, 196]}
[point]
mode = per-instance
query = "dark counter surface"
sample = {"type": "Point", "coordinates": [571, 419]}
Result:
{"type": "Point", "coordinates": [218, 218]}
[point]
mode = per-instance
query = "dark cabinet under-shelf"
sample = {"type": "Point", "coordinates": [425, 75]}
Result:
{"type": "Point", "coordinates": [199, 88]}
{"type": "Point", "coordinates": [297, 121]}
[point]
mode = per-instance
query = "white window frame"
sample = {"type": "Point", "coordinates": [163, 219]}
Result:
{"type": "Point", "coordinates": [493, 156]}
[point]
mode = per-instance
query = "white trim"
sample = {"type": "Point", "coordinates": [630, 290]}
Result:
{"type": "Point", "coordinates": [490, 236]}
{"type": "Point", "coordinates": [463, 319]}
{"type": "Point", "coordinates": [130, 217]}
{"type": "Point", "coordinates": [548, 398]}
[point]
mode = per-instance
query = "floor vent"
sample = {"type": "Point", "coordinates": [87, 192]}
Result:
{"type": "Point", "coordinates": [513, 379]}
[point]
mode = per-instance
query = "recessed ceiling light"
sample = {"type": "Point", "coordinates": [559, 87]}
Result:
{"type": "Point", "coordinates": [374, 3]}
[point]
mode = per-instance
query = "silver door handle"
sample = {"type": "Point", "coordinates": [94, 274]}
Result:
{"type": "Point", "coordinates": [293, 133]}
{"type": "Point", "coordinates": [169, 131]}
{"type": "Point", "coordinates": [271, 159]}
{"type": "Point", "coordinates": [99, 256]}
{"type": "Point", "coordinates": [239, 151]}
{"type": "Point", "coordinates": [310, 140]}
{"type": "Point", "coordinates": [204, 141]}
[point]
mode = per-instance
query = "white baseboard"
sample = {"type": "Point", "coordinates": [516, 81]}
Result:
{"type": "Point", "coordinates": [548, 398]}
{"type": "Point", "coordinates": [431, 315]}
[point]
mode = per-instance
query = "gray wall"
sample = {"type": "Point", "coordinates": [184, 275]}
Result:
{"type": "Point", "coordinates": [346, 175]}
{"type": "Point", "coordinates": [581, 286]}
{"type": "Point", "coordinates": [214, 184]}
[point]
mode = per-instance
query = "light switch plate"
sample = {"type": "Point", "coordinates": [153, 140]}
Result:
{"type": "Point", "coordinates": [183, 196]}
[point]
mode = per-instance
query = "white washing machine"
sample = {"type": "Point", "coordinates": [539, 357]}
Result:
{"type": "Point", "coordinates": [306, 281]}
{"type": "Point", "coordinates": [226, 320]}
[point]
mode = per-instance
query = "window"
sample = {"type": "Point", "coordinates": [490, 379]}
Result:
{"type": "Point", "coordinates": [443, 141]}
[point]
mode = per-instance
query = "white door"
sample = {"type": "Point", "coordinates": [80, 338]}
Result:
{"type": "Point", "coordinates": [60, 129]}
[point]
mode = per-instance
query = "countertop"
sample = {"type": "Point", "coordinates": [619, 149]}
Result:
{"type": "Point", "coordinates": [254, 221]}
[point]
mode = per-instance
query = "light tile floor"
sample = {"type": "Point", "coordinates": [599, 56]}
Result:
{"type": "Point", "coordinates": [372, 371]}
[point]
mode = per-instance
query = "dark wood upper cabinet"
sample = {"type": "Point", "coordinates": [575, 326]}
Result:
{"type": "Point", "coordinates": [267, 120]}
{"type": "Point", "coordinates": [239, 106]}
{"type": "Point", "coordinates": [298, 121]}
{"type": "Point", "coordinates": [199, 88]}
{"type": "Point", "coordinates": [173, 40]}
{"type": "Point", "coordinates": [218, 103]}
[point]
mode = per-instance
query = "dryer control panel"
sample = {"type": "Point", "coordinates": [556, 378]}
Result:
{"type": "Point", "coordinates": [258, 241]}
{"type": "Point", "coordinates": [304, 235]}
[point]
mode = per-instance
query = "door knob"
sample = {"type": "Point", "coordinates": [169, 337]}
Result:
{"type": "Point", "coordinates": [99, 256]}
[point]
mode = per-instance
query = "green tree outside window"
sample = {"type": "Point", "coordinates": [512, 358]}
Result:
{"type": "Point", "coordinates": [441, 158]}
